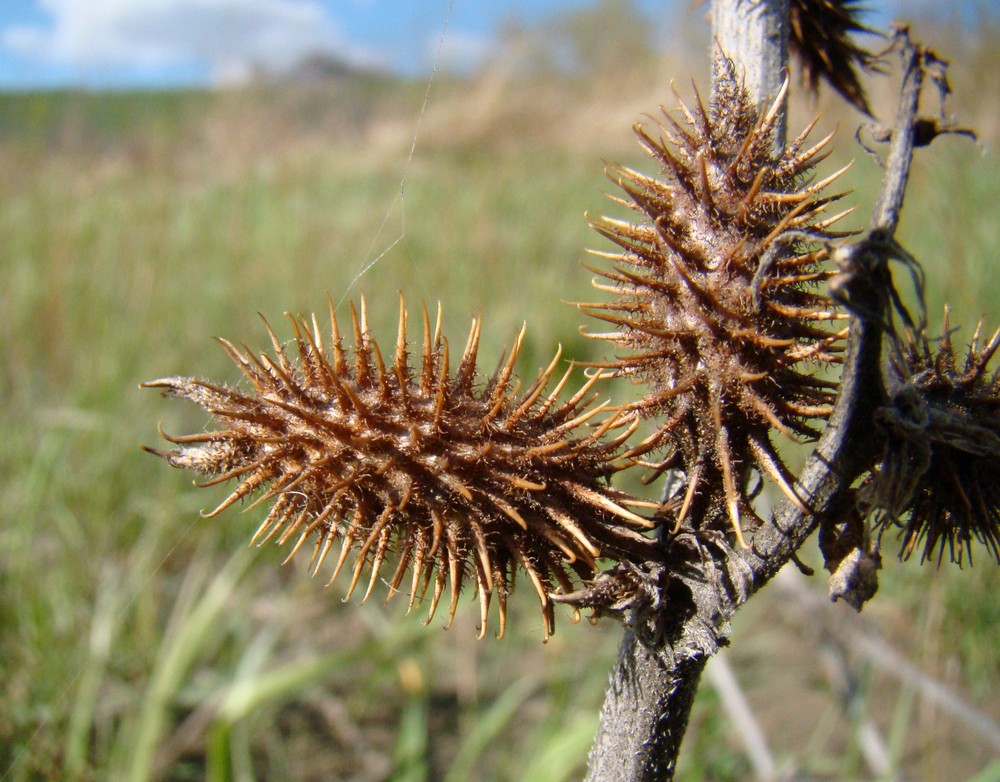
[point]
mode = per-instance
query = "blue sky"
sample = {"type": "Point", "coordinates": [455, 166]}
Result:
{"type": "Point", "coordinates": [98, 43]}
{"type": "Point", "coordinates": [161, 43]}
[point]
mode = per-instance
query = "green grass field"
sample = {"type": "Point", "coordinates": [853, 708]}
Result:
{"type": "Point", "coordinates": [139, 641]}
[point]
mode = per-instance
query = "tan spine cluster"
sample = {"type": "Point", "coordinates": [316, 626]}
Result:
{"type": "Point", "coordinates": [434, 472]}
{"type": "Point", "coordinates": [717, 295]}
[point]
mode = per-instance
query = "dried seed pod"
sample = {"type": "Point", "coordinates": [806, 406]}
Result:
{"type": "Point", "coordinates": [447, 477]}
{"type": "Point", "coordinates": [821, 39]}
{"type": "Point", "coordinates": [717, 300]}
{"type": "Point", "coordinates": [939, 479]}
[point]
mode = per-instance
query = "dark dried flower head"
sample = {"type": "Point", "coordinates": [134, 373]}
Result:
{"type": "Point", "coordinates": [821, 39]}
{"type": "Point", "coordinates": [429, 470]}
{"type": "Point", "coordinates": [717, 300]}
{"type": "Point", "coordinates": [939, 479]}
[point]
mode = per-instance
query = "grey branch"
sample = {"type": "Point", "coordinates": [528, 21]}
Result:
{"type": "Point", "coordinates": [755, 34]}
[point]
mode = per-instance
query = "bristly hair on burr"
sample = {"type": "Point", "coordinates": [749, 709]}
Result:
{"type": "Point", "coordinates": [939, 479]}
{"type": "Point", "coordinates": [717, 292]}
{"type": "Point", "coordinates": [820, 38]}
{"type": "Point", "coordinates": [435, 472]}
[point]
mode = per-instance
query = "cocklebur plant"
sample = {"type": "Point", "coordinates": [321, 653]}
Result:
{"type": "Point", "coordinates": [450, 476]}
{"type": "Point", "coordinates": [939, 478]}
{"type": "Point", "coordinates": [459, 478]}
{"type": "Point", "coordinates": [820, 36]}
{"type": "Point", "coordinates": [731, 298]}
{"type": "Point", "coordinates": [717, 301]}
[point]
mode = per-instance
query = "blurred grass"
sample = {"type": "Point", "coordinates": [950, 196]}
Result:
{"type": "Point", "coordinates": [138, 641]}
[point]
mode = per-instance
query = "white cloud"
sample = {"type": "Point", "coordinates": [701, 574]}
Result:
{"type": "Point", "coordinates": [231, 36]}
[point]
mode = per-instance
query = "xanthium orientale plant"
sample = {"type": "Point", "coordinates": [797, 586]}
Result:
{"type": "Point", "coordinates": [716, 302]}
{"type": "Point", "coordinates": [450, 476]}
{"type": "Point", "coordinates": [939, 478]}
{"type": "Point", "coordinates": [720, 312]}
{"type": "Point", "coordinates": [820, 36]}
